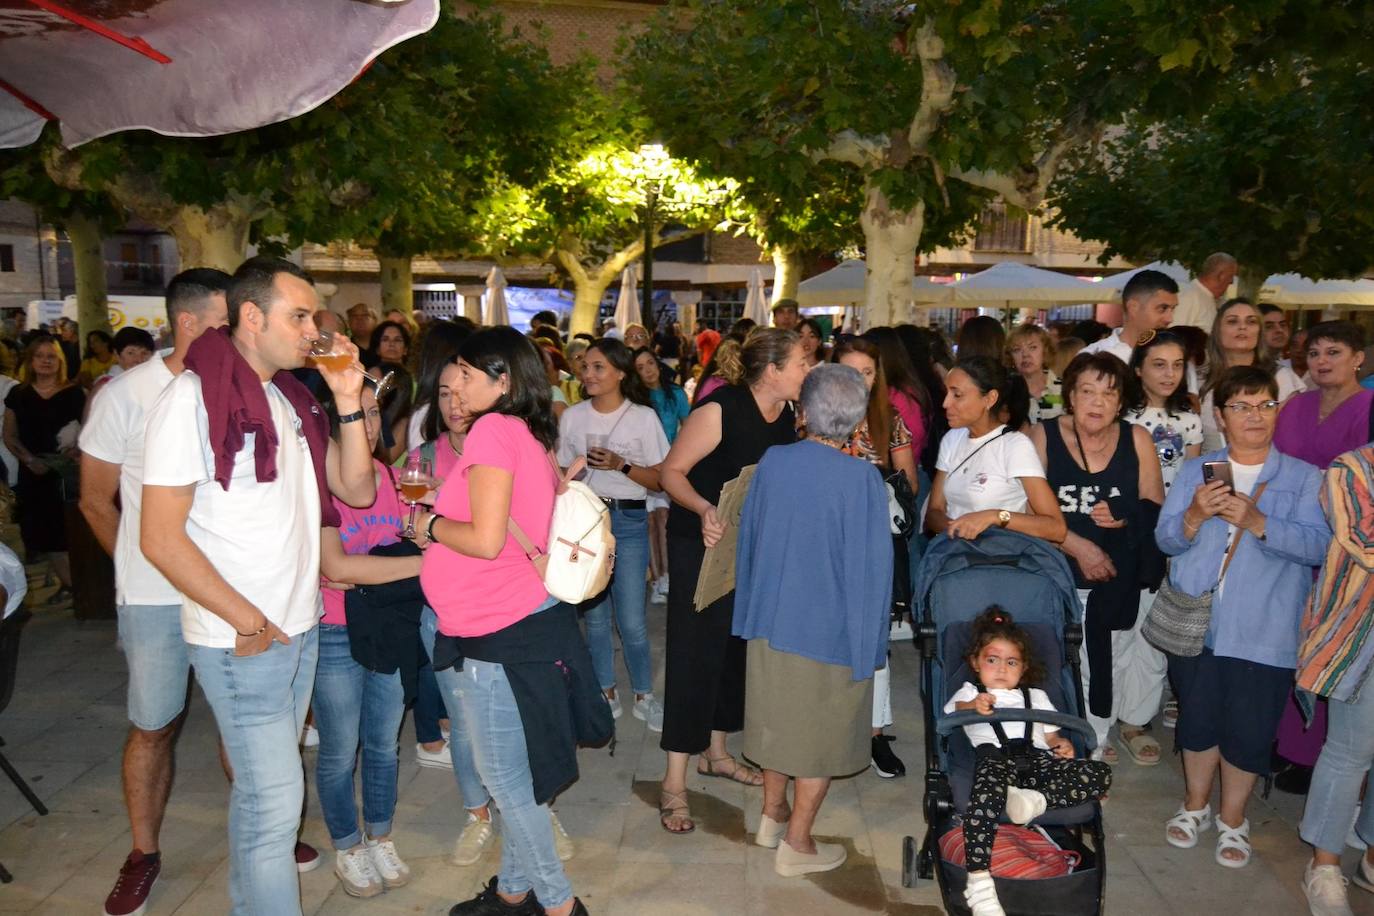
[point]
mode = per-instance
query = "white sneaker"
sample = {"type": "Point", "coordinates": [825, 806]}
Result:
{"type": "Point", "coordinates": [981, 895]}
{"type": "Point", "coordinates": [439, 760]}
{"type": "Point", "coordinates": [312, 737]}
{"type": "Point", "coordinates": [1325, 888]}
{"type": "Point", "coordinates": [1024, 805]}
{"type": "Point", "coordinates": [649, 710]}
{"type": "Point", "coordinates": [562, 843]}
{"type": "Point", "coordinates": [614, 703]}
{"type": "Point", "coordinates": [356, 873]}
{"type": "Point", "coordinates": [394, 872]}
{"type": "Point", "coordinates": [659, 593]}
{"type": "Point", "coordinates": [473, 841]}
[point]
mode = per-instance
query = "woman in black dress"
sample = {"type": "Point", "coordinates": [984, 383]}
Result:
{"type": "Point", "coordinates": [727, 431]}
{"type": "Point", "coordinates": [36, 413]}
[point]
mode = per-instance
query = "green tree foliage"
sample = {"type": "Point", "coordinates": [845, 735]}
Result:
{"type": "Point", "coordinates": [937, 107]}
{"type": "Point", "coordinates": [587, 215]}
{"type": "Point", "coordinates": [1286, 183]}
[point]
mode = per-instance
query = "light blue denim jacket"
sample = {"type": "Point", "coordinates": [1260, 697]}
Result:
{"type": "Point", "coordinates": [1256, 617]}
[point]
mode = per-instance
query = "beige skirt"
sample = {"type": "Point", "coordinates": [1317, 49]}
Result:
{"type": "Point", "coordinates": [804, 717]}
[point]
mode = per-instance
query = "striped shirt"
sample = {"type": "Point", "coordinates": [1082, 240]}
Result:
{"type": "Point", "coordinates": [1337, 649]}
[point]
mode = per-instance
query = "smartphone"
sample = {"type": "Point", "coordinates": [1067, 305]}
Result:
{"type": "Point", "coordinates": [1218, 470]}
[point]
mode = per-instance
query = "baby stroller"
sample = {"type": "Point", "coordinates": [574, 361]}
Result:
{"type": "Point", "coordinates": [1028, 577]}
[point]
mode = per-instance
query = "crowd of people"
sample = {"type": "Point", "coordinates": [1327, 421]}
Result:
{"type": "Point", "coordinates": [329, 545]}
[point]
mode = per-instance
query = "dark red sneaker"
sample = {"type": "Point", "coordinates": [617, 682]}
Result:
{"type": "Point", "coordinates": [307, 857]}
{"type": "Point", "coordinates": [136, 879]}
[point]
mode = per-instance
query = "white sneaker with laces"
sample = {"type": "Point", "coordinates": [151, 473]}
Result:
{"type": "Point", "coordinates": [659, 593]}
{"type": "Point", "coordinates": [1325, 888]}
{"type": "Point", "coordinates": [1364, 875]}
{"type": "Point", "coordinates": [355, 871]}
{"type": "Point", "coordinates": [473, 841]}
{"type": "Point", "coordinates": [562, 843]}
{"type": "Point", "coordinates": [441, 759]}
{"type": "Point", "coordinates": [649, 710]}
{"type": "Point", "coordinates": [614, 703]}
{"type": "Point", "coordinates": [394, 872]}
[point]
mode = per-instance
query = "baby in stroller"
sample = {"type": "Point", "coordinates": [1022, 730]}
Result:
{"type": "Point", "coordinates": [1019, 776]}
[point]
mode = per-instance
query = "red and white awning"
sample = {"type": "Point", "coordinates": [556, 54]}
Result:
{"type": "Point", "coordinates": [185, 68]}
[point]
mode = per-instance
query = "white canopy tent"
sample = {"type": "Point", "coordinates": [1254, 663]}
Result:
{"type": "Point", "coordinates": [845, 284]}
{"type": "Point", "coordinates": [1117, 282]}
{"type": "Point", "coordinates": [1010, 285]}
{"type": "Point", "coordinates": [1296, 291]}
{"type": "Point", "coordinates": [627, 303]}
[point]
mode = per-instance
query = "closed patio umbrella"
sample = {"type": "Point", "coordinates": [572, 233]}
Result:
{"type": "Point", "coordinates": [627, 304]}
{"type": "Point", "coordinates": [755, 301]}
{"type": "Point", "coordinates": [494, 310]}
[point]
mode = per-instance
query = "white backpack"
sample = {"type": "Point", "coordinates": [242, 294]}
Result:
{"type": "Point", "coordinates": [581, 553]}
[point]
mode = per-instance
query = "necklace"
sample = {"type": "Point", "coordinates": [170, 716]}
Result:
{"type": "Point", "coordinates": [836, 444]}
{"type": "Point", "coordinates": [1087, 465]}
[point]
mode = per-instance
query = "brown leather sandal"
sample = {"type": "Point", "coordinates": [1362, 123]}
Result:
{"type": "Point", "coordinates": [741, 772]}
{"type": "Point", "coordinates": [674, 805]}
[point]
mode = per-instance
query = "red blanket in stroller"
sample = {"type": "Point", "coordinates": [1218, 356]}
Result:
{"type": "Point", "coordinates": [1018, 852]}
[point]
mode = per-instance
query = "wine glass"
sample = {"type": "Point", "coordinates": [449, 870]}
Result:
{"type": "Point", "coordinates": [415, 481]}
{"type": "Point", "coordinates": [324, 352]}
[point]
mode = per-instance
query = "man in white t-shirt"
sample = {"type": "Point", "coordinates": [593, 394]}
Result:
{"type": "Point", "coordinates": [234, 525]}
{"type": "Point", "coordinates": [1147, 304]}
{"type": "Point", "coordinates": [149, 606]}
{"type": "Point", "coordinates": [1198, 301]}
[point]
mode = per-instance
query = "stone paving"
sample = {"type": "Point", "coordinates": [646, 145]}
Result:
{"type": "Point", "coordinates": [65, 727]}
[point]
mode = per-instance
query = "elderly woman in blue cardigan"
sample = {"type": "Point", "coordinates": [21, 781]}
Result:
{"type": "Point", "coordinates": [1232, 695]}
{"type": "Point", "coordinates": [813, 588]}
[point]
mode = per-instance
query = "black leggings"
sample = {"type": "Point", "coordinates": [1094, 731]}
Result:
{"type": "Point", "coordinates": [1064, 783]}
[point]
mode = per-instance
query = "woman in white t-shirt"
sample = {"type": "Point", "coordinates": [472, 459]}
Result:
{"type": "Point", "coordinates": [987, 473]}
{"type": "Point", "coordinates": [1236, 341]}
{"type": "Point", "coordinates": [620, 433]}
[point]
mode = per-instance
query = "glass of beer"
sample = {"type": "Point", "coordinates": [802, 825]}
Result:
{"type": "Point", "coordinates": [326, 354]}
{"type": "Point", "coordinates": [415, 481]}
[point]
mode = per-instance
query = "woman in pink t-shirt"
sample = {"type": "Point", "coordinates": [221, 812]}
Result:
{"type": "Point", "coordinates": [480, 584]}
{"type": "Point", "coordinates": [352, 704]}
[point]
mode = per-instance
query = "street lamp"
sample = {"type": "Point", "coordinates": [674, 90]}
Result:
{"type": "Point", "coordinates": [653, 166]}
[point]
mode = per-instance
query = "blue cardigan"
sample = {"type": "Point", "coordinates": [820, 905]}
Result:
{"type": "Point", "coordinates": [813, 567]}
{"type": "Point", "coordinates": [1256, 617]}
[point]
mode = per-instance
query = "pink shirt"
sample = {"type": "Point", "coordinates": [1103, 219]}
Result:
{"type": "Point", "coordinates": [471, 596]}
{"type": "Point", "coordinates": [362, 530]}
{"type": "Point", "coordinates": [445, 458]}
{"type": "Point", "coordinates": [707, 386]}
{"type": "Point", "coordinates": [910, 412]}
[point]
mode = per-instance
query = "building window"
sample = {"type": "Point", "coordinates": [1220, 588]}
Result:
{"type": "Point", "coordinates": [6, 259]}
{"type": "Point", "coordinates": [128, 261]}
{"type": "Point", "coordinates": [999, 230]}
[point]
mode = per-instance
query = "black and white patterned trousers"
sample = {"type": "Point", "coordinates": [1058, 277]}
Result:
{"type": "Point", "coordinates": [1064, 783]}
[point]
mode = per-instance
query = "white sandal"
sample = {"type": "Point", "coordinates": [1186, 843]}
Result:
{"type": "Point", "coordinates": [1237, 838]}
{"type": "Point", "coordinates": [1189, 822]}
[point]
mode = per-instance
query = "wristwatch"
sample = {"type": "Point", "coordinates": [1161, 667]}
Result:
{"type": "Point", "coordinates": [625, 468]}
{"type": "Point", "coordinates": [353, 417]}
{"type": "Point", "coordinates": [429, 528]}
{"type": "Point", "coordinates": [1003, 518]}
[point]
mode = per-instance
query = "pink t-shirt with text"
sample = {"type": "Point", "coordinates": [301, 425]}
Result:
{"type": "Point", "coordinates": [361, 530]}
{"type": "Point", "coordinates": [471, 596]}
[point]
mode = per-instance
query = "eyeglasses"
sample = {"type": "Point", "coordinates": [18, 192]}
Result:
{"type": "Point", "coordinates": [1241, 409]}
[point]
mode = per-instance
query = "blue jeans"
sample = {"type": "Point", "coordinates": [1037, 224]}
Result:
{"type": "Point", "coordinates": [1336, 779]}
{"type": "Point", "coordinates": [429, 706]}
{"type": "Point", "coordinates": [459, 741]}
{"type": "Point", "coordinates": [353, 704]}
{"type": "Point", "coordinates": [159, 663]}
{"type": "Point", "coordinates": [259, 703]}
{"type": "Point", "coordinates": [528, 857]}
{"type": "Point", "coordinates": [626, 593]}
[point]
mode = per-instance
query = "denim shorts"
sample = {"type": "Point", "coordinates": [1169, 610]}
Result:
{"type": "Point", "coordinates": [1231, 704]}
{"type": "Point", "coordinates": [159, 665]}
